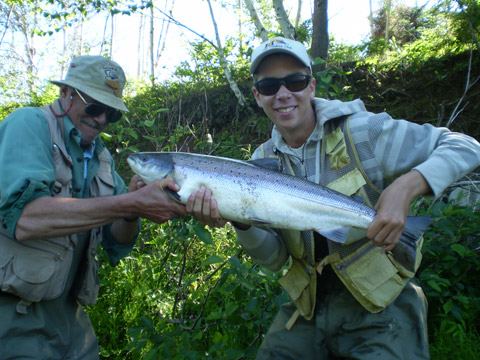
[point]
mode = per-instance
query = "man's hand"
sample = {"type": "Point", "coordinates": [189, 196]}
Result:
{"type": "Point", "coordinates": [153, 202]}
{"type": "Point", "coordinates": [204, 208]}
{"type": "Point", "coordinates": [392, 209]}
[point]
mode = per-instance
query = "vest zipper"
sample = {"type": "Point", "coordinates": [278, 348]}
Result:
{"type": "Point", "coordinates": [343, 266]}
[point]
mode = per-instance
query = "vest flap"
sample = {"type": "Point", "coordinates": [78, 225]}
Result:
{"type": "Point", "coordinates": [349, 183]}
{"type": "Point", "coordinates": [22, 267]}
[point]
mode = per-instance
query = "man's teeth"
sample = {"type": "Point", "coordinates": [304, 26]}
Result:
{"type": "Point", "coordinates": [286, 109]}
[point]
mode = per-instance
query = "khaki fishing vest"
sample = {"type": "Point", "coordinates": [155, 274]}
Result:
{"type": "Point", "coordinates": [37, 270]}
{"type": "Point", "coordinates": [373, 278]}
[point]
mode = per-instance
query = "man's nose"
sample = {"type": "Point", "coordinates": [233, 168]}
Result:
{"type": "Point", "coordinates": [283, 91]}
{"type": "Point", "coordinates": [101, 119]}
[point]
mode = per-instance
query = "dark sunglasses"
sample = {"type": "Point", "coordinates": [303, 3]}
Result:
{"type": "Point", "coordinates": [294, 83]}
{"type": "Point", "coordinates": [95, 109]}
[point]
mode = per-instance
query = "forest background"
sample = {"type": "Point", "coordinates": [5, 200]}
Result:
{"type": "Point", "coordinates": [190, 292]}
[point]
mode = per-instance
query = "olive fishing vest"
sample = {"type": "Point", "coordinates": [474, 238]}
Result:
{"type": "Point", "coordinates": [37, 270]}
{"type": "Point", "coordinates": [373, 278]}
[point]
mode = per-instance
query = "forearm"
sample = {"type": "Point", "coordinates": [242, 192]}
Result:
{"type": "Point", "coordinates": [50, 217]}
{"type": "Point", "coordinates": [412, 184]}
{"type": "Point", "coordinates": [263, 246]}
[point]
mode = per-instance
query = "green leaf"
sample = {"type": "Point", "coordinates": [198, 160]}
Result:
{"type": "Point", "coordinates": [433, 284]}
{"type": "Point", "coordinates": [203, 234]}
{"type": "Point", "coordinates": [214, 259]}
{"type": "Point", "coordinates": [230, 308]}
{"type": "Point", "coordinates": [459, 249]}
{"type": "Point", "coordinates": [149, 123]}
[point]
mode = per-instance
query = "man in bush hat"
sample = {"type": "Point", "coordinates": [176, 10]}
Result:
{"type": "Point", "coordinates": [352, 301]}
{"type": "Point", "coordinates": [61, 198]}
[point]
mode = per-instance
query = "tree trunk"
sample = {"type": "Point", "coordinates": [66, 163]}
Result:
{"type": "Point", "coordinates": [319, 48]}
{"type": "Point", "coordinates": [152, 61]}
{"type": "Point", "coordinates": [287, 28]}
{"type": "Point", "coordinates": [224, 63]}
{"type": "Point", "coordinates": [104, 33]}
{"type": "Point", "coordinates": [370, 18]}
{"type": "Point", "coordinates": [387, 20]}
{"type": "Point", "coordinates": [139, 47]}
{"type": "Point", "coordinates": [299, 13]}
{"type": "Point", "coordinates": [112, 36]}
{"type": "Point", "coordinates": [262, 32]}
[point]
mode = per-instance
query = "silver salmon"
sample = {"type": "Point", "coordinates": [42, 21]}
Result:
{"type": "Point", "coordinates": [251, 192]}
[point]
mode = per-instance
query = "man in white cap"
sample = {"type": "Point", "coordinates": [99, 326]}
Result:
{"type": "Point", "coordinates": [352, 301]}
{"type": "Point", "coordinates": [60, 199]}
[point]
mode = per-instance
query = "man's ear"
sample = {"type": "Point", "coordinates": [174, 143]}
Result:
{"type": "Point", "coordinates": [256, 94]}
{"type": "Point", "coordinates": [312, 87]}
{"type": "Point", "coordinates": [65, 91]}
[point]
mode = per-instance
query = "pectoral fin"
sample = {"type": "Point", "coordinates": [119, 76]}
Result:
{"type": "Point", "coordinates": [173, 194]}
{"type": "Point", "coordinates": [338, 235]}
{"type": "Point", "coordinates": [259, 222]}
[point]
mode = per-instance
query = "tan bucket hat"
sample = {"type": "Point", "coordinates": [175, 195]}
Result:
{"type": "Point", "coordinates": [98, 77]}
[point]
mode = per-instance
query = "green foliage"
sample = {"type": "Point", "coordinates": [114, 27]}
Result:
{"type": "Point", "coordinates": [185, 292]}
{"type": "Point", "coordinates": [449, 271]}
{"type": "Point", "coordinates": [436, 33]}
{"type": "Point", "coordinates": [404, 23]}
{"type": "Point", "coordinates": [329, 82]}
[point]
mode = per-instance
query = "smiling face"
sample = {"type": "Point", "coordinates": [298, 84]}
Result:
{"type": "Point", "coordinates": [291, 112]}
{"type": "Point", "coordinates": [90, 127]}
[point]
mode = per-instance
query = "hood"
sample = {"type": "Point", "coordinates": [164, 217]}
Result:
{"type": "Point", "coordinates": [325, 111]}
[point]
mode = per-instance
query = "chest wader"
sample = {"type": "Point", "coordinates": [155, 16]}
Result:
{"type": "Point", "coordinates": [37, 270]}
{"type": "Point", "coordinates": [373, 278]}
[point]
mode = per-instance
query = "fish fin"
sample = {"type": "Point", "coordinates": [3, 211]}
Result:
{"type": "Point", "coordinates": [259, 222]}
{"type": "Point", "coordinates": [173, 194]}
{"type": "Point", "coordinates": [405, 252]}
{"type": "Point", "coordinates": [338, 235]}
{"type": "Point", "coordinates": [268, 163]}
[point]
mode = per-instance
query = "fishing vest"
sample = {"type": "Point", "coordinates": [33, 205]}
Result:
{"type": "Point", "coordinates": [37, 270]}
{"type": "Point", "coordinates": [373, 278]}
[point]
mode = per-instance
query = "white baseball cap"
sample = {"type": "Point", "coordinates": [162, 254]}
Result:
{"type": "Point", "coordinates": [279, 45]}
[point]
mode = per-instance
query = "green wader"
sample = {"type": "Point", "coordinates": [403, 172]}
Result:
{"type": "Point", "coordinates": [342, 329]}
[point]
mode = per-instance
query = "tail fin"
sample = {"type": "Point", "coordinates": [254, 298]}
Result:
{"type": "Point", "coordinates": [406, 250]}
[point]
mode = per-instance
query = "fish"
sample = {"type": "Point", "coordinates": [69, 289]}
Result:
{"type": "Point", "coordinates": [257, 193]}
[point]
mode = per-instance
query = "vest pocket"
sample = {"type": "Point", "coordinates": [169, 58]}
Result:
{"type": "Point", "coordinates": [27, 276]}
{"type": "Point", "coordinates": [4, 260]}
{"type": "Point", "coordinates": [298, 285]}
{"type": "Point", "coordinates": [371, 277]}
{"type": "Point", "coordinates": [33, 270]}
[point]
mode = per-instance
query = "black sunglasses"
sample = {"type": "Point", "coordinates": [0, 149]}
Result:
{"type": "Point", "coordinates": [294, 83]}
{"type": "Point", "coordinates": [95, 109]}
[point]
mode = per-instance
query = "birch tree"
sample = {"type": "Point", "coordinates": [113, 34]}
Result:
{"type": "Point", "coordinates": [224, 63]}
{"type": "Point", "coordinates": [282, 17]}
{"type": "Point", "coordinates": [261, 31]}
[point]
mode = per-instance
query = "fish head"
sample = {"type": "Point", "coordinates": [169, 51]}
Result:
{"type": "Point", "coordinates": [151, 165]}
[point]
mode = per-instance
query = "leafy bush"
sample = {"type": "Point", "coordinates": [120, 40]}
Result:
{"type": "Point", "coordinates": [184, 293]}
{"type": "Point", "coordinates": [449, 275]}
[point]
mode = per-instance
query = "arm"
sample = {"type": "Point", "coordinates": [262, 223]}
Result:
{"type": "Point", "coordinates": [422, 159]}
{"type": "Point", "coordinates": [392, 209]}
{"type": "Point", "coordinates": [50, 217]}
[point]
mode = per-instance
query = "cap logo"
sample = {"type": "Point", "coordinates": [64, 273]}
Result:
{"type": "Point", "coordinates": [277, 43]}
{"type": "Point", "coordinates": [111, 79]}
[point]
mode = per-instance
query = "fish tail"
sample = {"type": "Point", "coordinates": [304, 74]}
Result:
{"type": "Point", "coordinates": [405, 252]}
{"type": "Point", "coordinates": [415, 226]}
